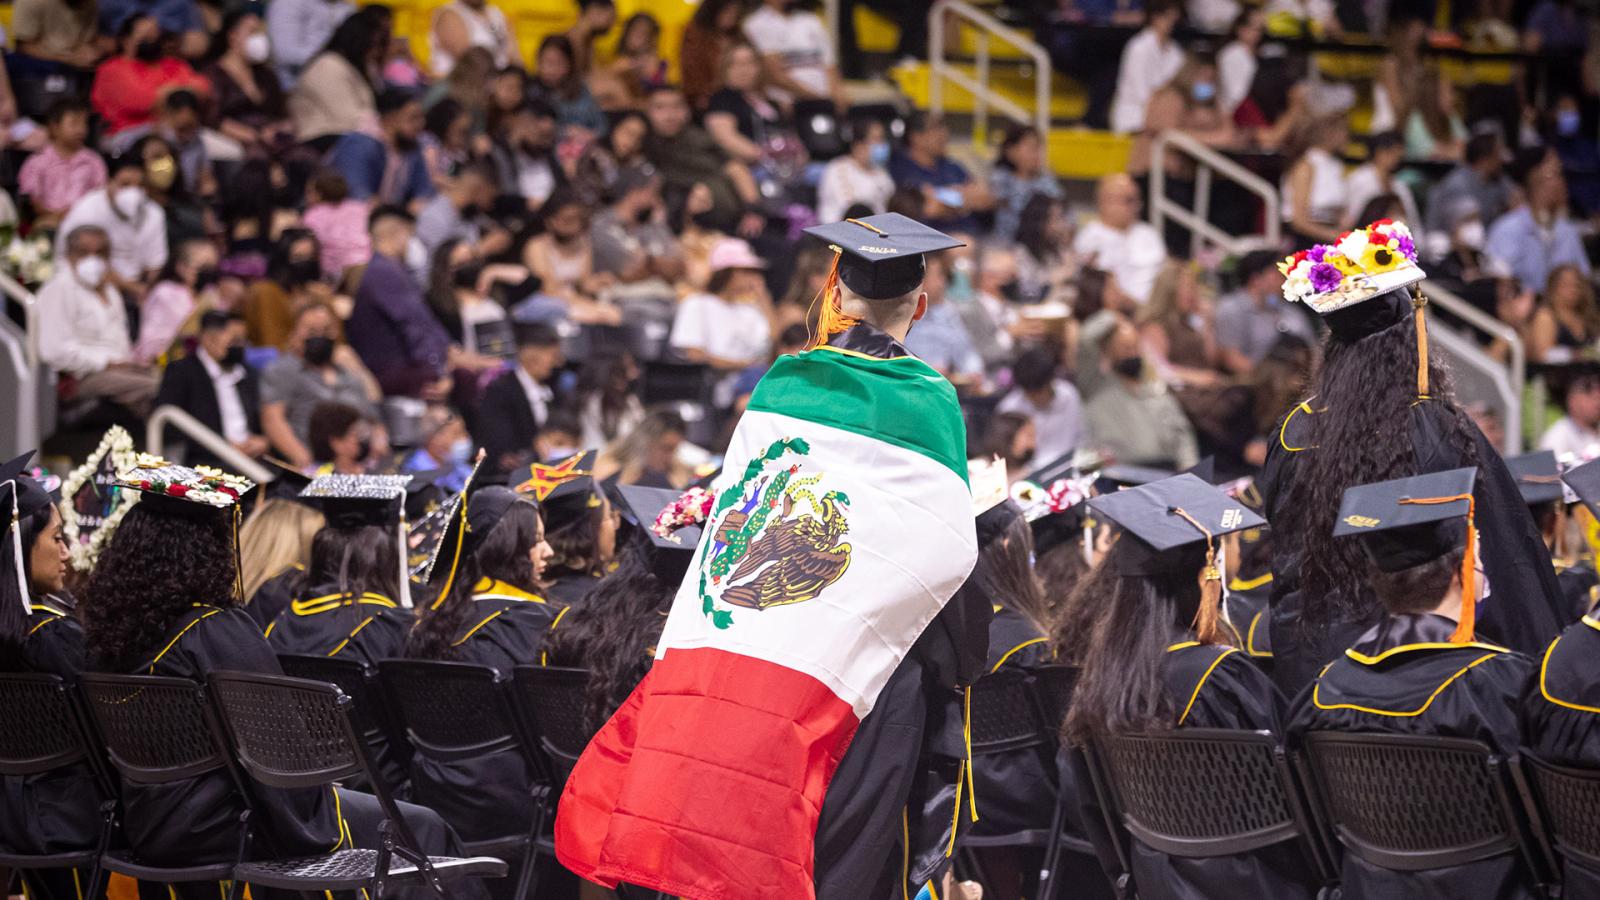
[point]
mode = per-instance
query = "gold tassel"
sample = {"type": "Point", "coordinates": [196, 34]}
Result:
{"type": "Point", "coordinates": [1419, 306]}
{"type": "Point", "coordinates": [1467, 625]}
{"type": "Point", "coordinates": [831, 317]}
{"type": "Point", "coordinates": [1210, 611]}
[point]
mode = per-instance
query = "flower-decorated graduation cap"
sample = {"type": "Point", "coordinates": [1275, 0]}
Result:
{"type": "Point", "coordinates": [565, 490]}
{"type": "Point", "coordinates": [877, 258]}
{"type": "Point", "coordinates": [1538, 477]}
{"type": "Point", "coordinates": [670, 521]}
{"type": "Point", "coordinates": [169, 488]}
{"type": "Point", "coordinates": [1054, 499]}
{"type": "Point", "coordinates": [1411, 521]}
{"type": "Point", "coordinates": [357, 501]}
{"type": "Point", "coordinates": [20, 496]}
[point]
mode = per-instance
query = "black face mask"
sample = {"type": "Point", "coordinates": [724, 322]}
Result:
{"type": "Point", "coordinates": [1129, 366]}
{"type": "Point", "coordinates": [706, 220]}
{"type": "Point", "coordinates": [643, 215]}
{"type": "Point", "coordinates": [364, 448]}
{"type": "Point", "coordinates": [205, 278]}
{"type": "Point", "coordinates": [471, 211]}
{"type": "Point", "coordinates": [233, 356]}
{"type": "Point", "coordinates": [466, 275]}
{"type": "Point", "coordinates": [1011, 290]}
{"type": "Point", "coordinates": [304, 271]}
{"type": "Point", "coordinates": [147, 51]}
{"type": "Point", "coordinates": [318, 351]}
{"type": "Point", "coordinates": [534, 150]}
{"type": "Point", "coordinates": [404, 144]}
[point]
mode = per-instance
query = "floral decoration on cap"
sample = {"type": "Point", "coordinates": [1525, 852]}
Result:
{"type": "Point", "coordinates": [200, 484]}
{"type": "Point", "coordinates": [691, 508]}
{"type": "Point", "coordinates": [1360, 265]}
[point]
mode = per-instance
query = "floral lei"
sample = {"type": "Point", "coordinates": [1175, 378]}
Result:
{"type": "Point", "coordinates": [1383, 246]}
{"type": "Point", "coordinates": [119, 445]}
{"type": "Point", "coordinates": [691, 508]}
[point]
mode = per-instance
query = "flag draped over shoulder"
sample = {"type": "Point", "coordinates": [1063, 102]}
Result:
{"type": "Point", "coordinates": [842, 525]}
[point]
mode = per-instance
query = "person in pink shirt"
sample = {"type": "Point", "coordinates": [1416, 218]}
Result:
{"type": "Point", "coordinates": [127, 86]}
{"type": "Point", "coordinates": [56, 176]}
{"type": "Point", "coordinates": [339, 222]}
{"type": "Point", "coordinates": [170, 310]}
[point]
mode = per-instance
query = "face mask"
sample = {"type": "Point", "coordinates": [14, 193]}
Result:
{"type": "Point", "coordinates": [416, 255]}
{"type": "Point", "coordinates": [1012, 291]}
{"type": "Point", "coordinates": [233, 356]}
{"type": "Point", "coordinates": [471, 211]}
{"type": "Point", "coordinates": [147, 51]}
{"type": "Point", "coordinates": [706, 220]}
{"type": "Point", "coordinates": [257, 48]}
{"type": "Point", "coordinates": [466, 275]}
{"type": "Point", "coordinates": [461, 451]}
{"type": "Point", "coordinates": [206, 277]}
{"type": "Point", "coordinates": [160, 173]}
{"type": "Point", "coordinates": [127, 200]}
{"type": "Point", "coordinates": [1203, 91]}
{"type": "Point", "coordinates": [1129, 367]}
{"type": "Point", "coordinates": [1471, 235]}
{"type": "Point", "coordinates": [1567, 122]}
{"type": "Point", "coordinates": [364, 448]}
{"type": "Point", "coordinates": [879, 154]}
{"type": "Point", "coordinates": [304, 271]}
{"type": "Point", "coordinates": [91, 270]}
{"type": "Point", "coordinates": [318, 351]}
{"type": "Point", "coordinates": [405, 143]}
{"type": "Point", "coordinates": [533, 149]}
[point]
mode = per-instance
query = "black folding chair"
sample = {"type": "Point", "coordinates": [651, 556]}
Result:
{"type": "Point", "coordinates": [1005, 719]}
{"type": "Point", "coordinates": [42, 730]}
{"type": "Point", "coordinates": [1368, 788]}
{"type": "Point", "coordinates": [384, 736]}
{"type": "Point", "coordinates": [159, 730]}
{"type": "Point", "coordinates": [1566, 801]}
{"type": "Point", "coordinates": [552, 701]}
{"type": "Point", "coordinates": [293, 733]}
{"type": "Point", "coordinates": [1199, 792]}
{"type": "Point", "coordinates": [1052, 688]}
{"type": "Point", "coordinates": [455, 711]}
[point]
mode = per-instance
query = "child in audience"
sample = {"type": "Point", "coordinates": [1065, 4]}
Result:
{"type": "Point", "coordinates": [56, 176]}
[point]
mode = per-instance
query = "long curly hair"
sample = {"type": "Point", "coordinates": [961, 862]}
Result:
{"type": "Point", "coordinates": [614, 631]}
{"type": "Point", "coordinates": [1363, 396]}
{"type": "Point", "coordinates": [154, 570]}
{"type": "Point", "coordinates": [503, 556]}
{"type": "Point", "coordinates": [13, 620]}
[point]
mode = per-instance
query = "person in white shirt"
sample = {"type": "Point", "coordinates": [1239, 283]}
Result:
{"type": "Point", "coordinates": [1148, 63]}
{"type": "Point", "coordinates": [1314, 188]}
{"type": "Point", "coordinates": [464, 24]}
{"type": "Point", "coordinates": [860, 177]}
{"type": "Point", "coordinates": [1578, 432]}
{"type": "Point", "coordinates": [135, 225]}
{"type": "Point", "coordinates": [1376, 177]}
{"type": "Point", "coordinates": [1052, 403]}
{"type": "Point", "coordinates": [1236, 63]}
{"type": "Point", "coordinates": [798, 52]}
{"type": "Point", "coordinates": [83, 328]}
{"type": "Point", "coordinates": [728, 327]}
{"type": "Point", "coordinates": [1116, 241]}
{"type": "Point", "coordinates": [1214, 16]}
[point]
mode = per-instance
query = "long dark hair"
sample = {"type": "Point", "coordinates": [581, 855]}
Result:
{"type": "Point", "coordinates": [357, 36]}
{"type": "Point", "coordinates": [503, 556]}
{"type": "Point", "coordinates": [13, 619]}
{"type": "Point", "coordinates": [1004, 572]}
{"type": "Point", "coordinates": [1060, 569]}
{"type": "Point", "coordinates": [154, 570]}
{"type": "Point", "coordinates": [1363, 394]}
{"type": "Point", "coordinates": [576, 545]}
{"type": "Point", "coordinates": [1033, 228]}
{"type": "Point", "coordinates": [613, 632]}
{"type": "Point", "coordinates": [603, 377]}
{"type": "Point", "coordinates": [1121, 689]}
{"type": "Point", "coordinates": [353, 561]}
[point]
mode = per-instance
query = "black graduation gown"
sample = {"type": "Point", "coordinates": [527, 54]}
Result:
{"type": "Point", "coordinates": [1525, 609]}
{"type": "Point", "coordinates": [1404, 677]}
{"type": "Point", "coordinates": [1245, 619]}
{"type": "Point", "coordinates": [1580, 588]}
{"type": "Point", "coordinates": [273, 596]}
{"type": "Point", "coordinates": [364, 628]}
{"type": "Point", "coordinates": [1213, 686]}
{"type": "Point", "coordinates": [487, 797]}
{"type": "Point", "coordinates": [1561, 720]}
{"type": "Point", "coordinates": [570, 588]}
{"type": "Point", "coordinates": [1016, 789]}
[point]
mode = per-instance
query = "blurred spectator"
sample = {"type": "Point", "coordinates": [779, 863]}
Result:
{"type": "Point", "coordinates": [1251, 320]}
{"type": "Point", "coordinates": [446, 448]}
{"type": "Point", "coordinates": [1567, 326]}
{"type": "Point", "coordinates": [1213, 16]}
{"type": "Point", "coordinates": [711, 30]}
{"type": "Point", "coordinates": [51, 34]}
{"type": "Point", "coordinates": [1050, 402]}
{"type": "Point", "coordinates": [1578, 432]}
{"type": "Point", "coordinates": [186, 286]}
{"type": "Point", "coordinates": [798, 51]}
{"type": "Point", "coordinates": [1314, 188]}
{"type": "Point", "coordinates": [390, 326]}
{"type": "Point", "coordinates": [517, 404]}
{"type": "Point", "coordinates": [299, 29]}
{"type": "Point", "coordinates": [1434, 129]}
{"type": "Point", "coordinates": [1400, 70]}
{"type": "Point", "coordinates": [471, 86]}
{"type": "Point", "coordinates": [729, 326]}
{"type": "Point", "coordinates": [344, 440]}
{"type": "Point", "coordinates": [334, 94]}
{"type": "Point", "coordinates": [247, 100]}
{"type": "Point", "coordinates": [462, 24]}
{"type": "Point", "coordinates": [1012, 438]}
{"type": "Point", "coordinates": [1187, 104]}
{"type": "Point", "coordinates": [1278, 105]}
{"type": "Point", "coordinates": [1560, 32]}
{"type": "Point", "coordinates": [742, 117]}
{"type": "Point", "coordinates": [562, 258]}
{"type": "Point", "coordinates": [1134, 417]}
{"type": "Point", "coordinates": [637, 68]}
{"type": "Point", "coordinates": [1375, 177]}
{"type": "Point", "coordinates": [1463, 259]}
{"type": "Point", "coordinates": [1148, 62]}
{"type": "Point", "coordinates": [1479, 176]}
{"type": "Point", "coordinates": [595, 19]}
{"type": "Point", "coordinates": [559, 80]}
{"type": "Point", "coordinates": [1533, 239]}
{"type": "Point", "coordinates": [459, 213]}
{"type": "Point", "coordinates": [1118, 241]}
{"type": "Point", "coordinates": [1236, 62]}
{"type": "Point", "coordinates": [940, 338]}
{"type": "Point", "coordinates": [608, 399]}
{"type": "Point", "coordinates": [623, 147]}
{"type": "Point", "coordinates": [1020, 172]}
{"type": "Point", "coordinates": [859, 177]}
{"type": "Point", "coordinates": [1580, 155]}
{"type": "Point", "coordinates": [178, 125]}
{"type": "Point", "coordinates": [315, 368]}
{"type": "Point", "coordinates": [686, 155]}
{"type": "Point", "coordinates": [811, 267]}
{"type": "Point", "coordinates": [60, 174]}
{"type": "Point", "coordinates": [1178, 329]}
{"type": "Point", "coordinates": [648, 455]}
{"type": "Point", "coordinates": [293, 280]}
{"type": "Point", "coordinates": [950, 196]}
{"type": "Point", "coordinates": [339, 222]}
{"type": "Point", "coordinates": [1046, 264]}
{"type": "Point", "coordinates": [1514, 305]}
{"type": "Point", "coordinates": [83, 328]}
{"type": "Point", "coordinates": [458, 293]}
{"type": "Point", "coordinates": [790, 341]}
{"type": "Point", "coordinates": [124, 213]}
{"type": "Point", "coordinates": [128, 85]}
{"type": "Point", "coordinates": [387, 169]}
{"type": "Point", "coordinates": [215, 386]}
{"type": "Point", "coordinates": [524, 154]}
{"type": "Point", "coordinates": [558, 438]}
{"type": "Point", "coordinates": [630, 239]}
{"type": "Point", "coordinates": [181, 19]}
{"type": "Point", "coordinates": [446, 138]}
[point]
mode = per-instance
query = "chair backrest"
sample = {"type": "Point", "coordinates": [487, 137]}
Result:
{"type": "Point", "coordinates": [40, 728]}
{"type": "Point", "coordinates": [358, 682]}
{"type": "Point", "coordinates": [1410, 802]}
{"type": "Point", "coordinates": [289, 732]}
{"type": "Point", "coordinates": [1202, 792]}
{"type": "Point", "coordinates": [1568, 803]}
{"type": "Point", "coordinates": [450, 710]}
{"type": "Point", "coordinates": [554, 701]}
{"type": "Point", "coordinates": [1053, 686]}
{"type": "Point", "coordinates": [155, 729]}
{"type": "Point", "coordinates": [1004, 715]}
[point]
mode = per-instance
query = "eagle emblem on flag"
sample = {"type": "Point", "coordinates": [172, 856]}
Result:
{"type": "Point", "coordinates": [777, 536]}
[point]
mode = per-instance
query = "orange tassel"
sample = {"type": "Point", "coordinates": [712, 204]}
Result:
{"type": "Point", "coordinates": [1467, 626]}
{"type": "Point", "coordinates": [831, 317]}
{"type": "Point", "coordinates": [1210, 611]}
{"type": "Point", "coordinates": [1419, 304]}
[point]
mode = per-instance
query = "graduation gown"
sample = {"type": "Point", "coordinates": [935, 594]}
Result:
{"type": "Point", "coordinates": [1580, 588]}
{"type": "Point", "coordinates": [1015, 789]}
{"type": "Point", "coordinates": [365, 628]}
{"type": "Point", "coordinates": [1525, 609]}
{"type": "Point", "coordinates": [1404, 677]}
{"type": "Point", "coordinates": [1245, 619]}
{"type": "Point", "coordinates": [569, 589]}
{"type": "Point", "coordinates": [487, 797]}
{"type": "Point", "coordinates": [273, 596]}
{"type": "Point", "coordinates": [1213, 686]}
{"type": "Point", "coordinates": [1561, 721]}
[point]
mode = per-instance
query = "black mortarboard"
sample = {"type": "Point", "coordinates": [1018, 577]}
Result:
{"type": "Point", "coordinates": [880, 257]}
{"type": "Point", "coordinates": [31, 496]}
{"type": "Point", "coordinates": [1172, 522]}
{"type": "Point", "coordinates": [287, 483]}
{"type": "Point", "coordinates": [1114, 478]}
{"type": "Point", "coordinates": [565, 491]}
{"type": "Point", "coordinates": [993, 522]}
{"type": "Point", "coordinates": [1538, 477]}
{"type": "Point", "coordinates": [1352, 323]}
{"type": "Point", "coordinates": [1054, 470]}
{"type": "Point", "coordinates": [1057, 510]}
{"type": "Point", "coordinates": [1409, 521]}
{"type": "Point", "coordinates": [354, 501]}
{"type": "Point", "coordinates": [1584, 479]}
{"type": "Point", "coordinates": [670, 553]}
{"type": "Point", "coordinates": [423, 494]}
{"type": "Point", "coordinates": [169, 488]}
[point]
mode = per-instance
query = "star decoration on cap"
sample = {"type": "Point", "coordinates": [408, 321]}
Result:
{"type": "Point", "coordinates": [545, 479]}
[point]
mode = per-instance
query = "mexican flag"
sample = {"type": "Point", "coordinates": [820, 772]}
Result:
{"type": "Point", "coordinates": [842, 525]}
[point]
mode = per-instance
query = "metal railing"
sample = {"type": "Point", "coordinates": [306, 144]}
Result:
{"type": "Point", "coordinates": [1208, 160]}
{"type": "Point", "coordinates": [193, 429]}
{"type": "Point", "coordinates": [988, 29]}
{"type": "Point", "coordinates": [22, 349]}
{"type": "Point", "coordinates": [1503, 381]}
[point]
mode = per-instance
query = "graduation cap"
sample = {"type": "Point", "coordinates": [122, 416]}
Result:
{"type": "Point", "coordinates": [354, 501]}
{"type": "Point", "coordinates": [24, 496]}
{"type": "Point", "coordinates": [1584, 479]}
{"type": "Point", "coordinates": [1538, 477]}
{"type": "Point", "coordinates": [880, 257]}
{"type": "Point", "coordinates": [169, 488]}
{"type": "Point", "coordinates": [1356, 283]}
{"type": "Point", "coordinates": [671, 549]}
{"type": "Point", "coordinates": [288, 483]}
{"type": "Point", "coordinates": [1115, 478]}
{"type": "Point", "coordinates": [1407, 522]}
{"type": "Point", "coordinates": [565, 491]}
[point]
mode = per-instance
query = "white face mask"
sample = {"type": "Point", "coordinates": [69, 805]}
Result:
{"type": "Point", "coordinates": [416, 255]}
{"type": "Point", "coordinates": [1471, 234]}
{"type": "Point", "coordinates": [127, 199]}
{"type": "Point", "coordinates": [91, 271]}
{"type": "Point", "coordinates": [257, 48]}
